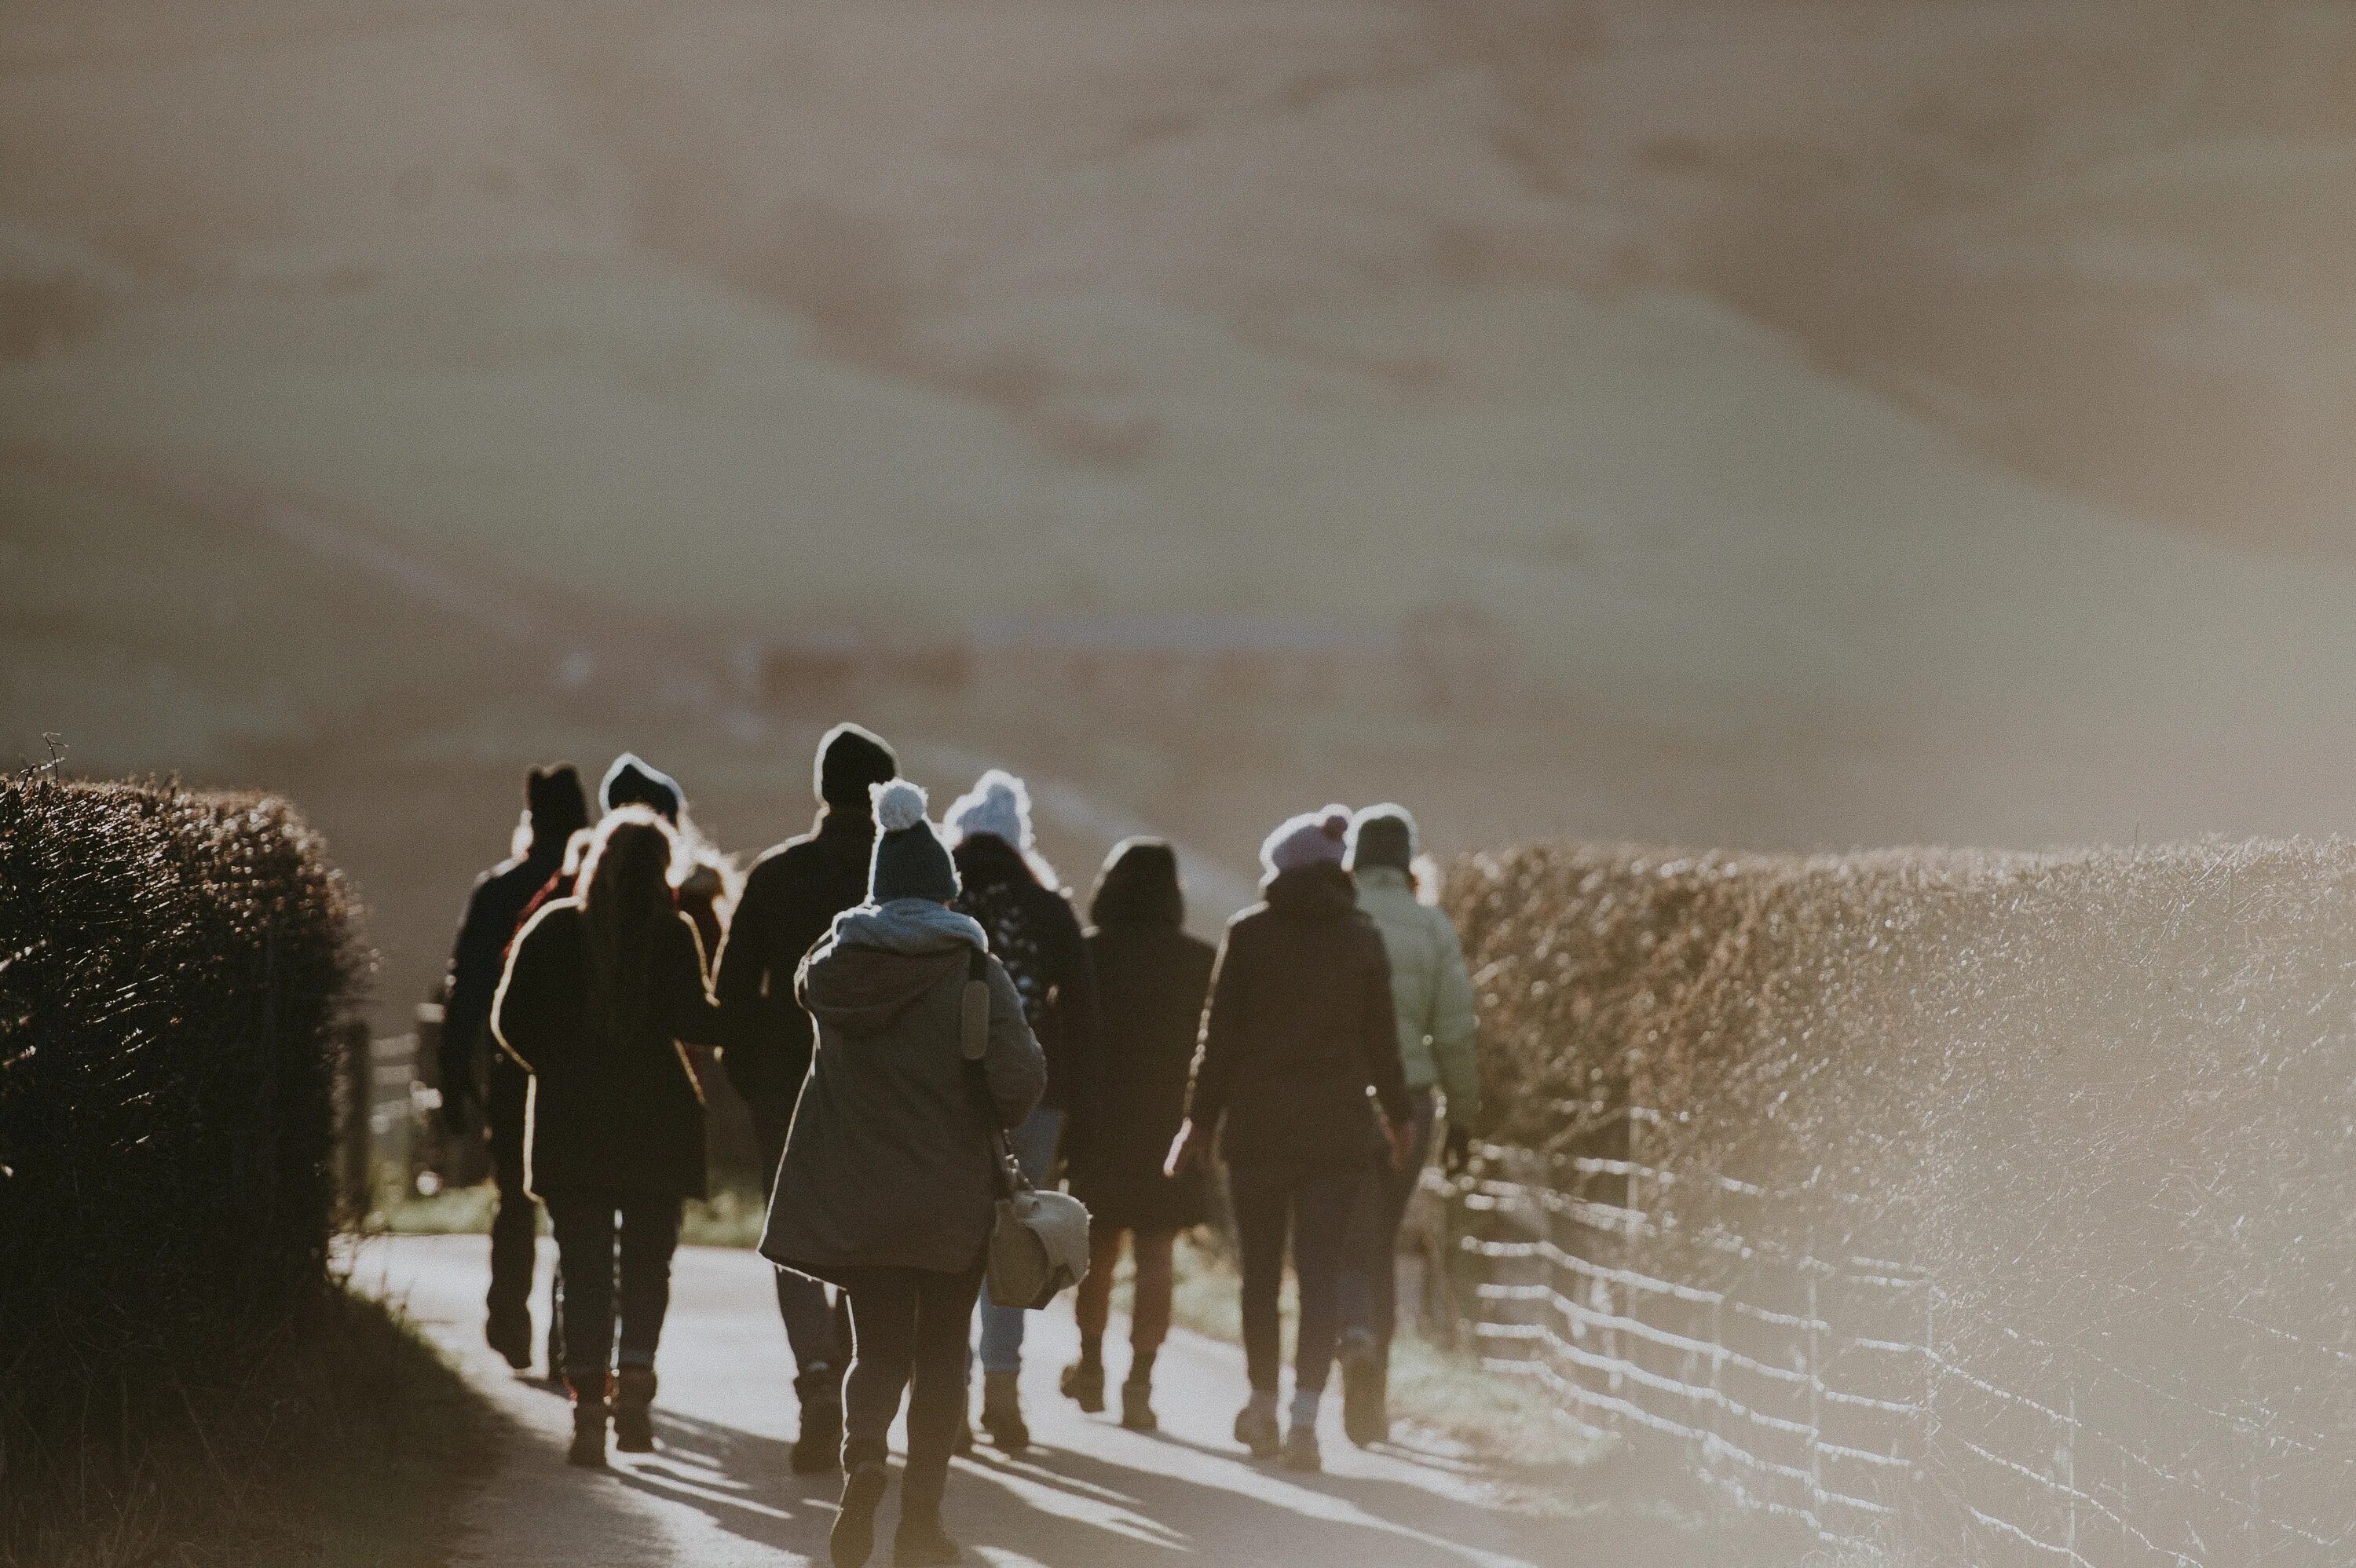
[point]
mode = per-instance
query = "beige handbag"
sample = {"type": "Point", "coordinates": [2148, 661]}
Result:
{"type": "Point", "coordinates": [1039, 1244]}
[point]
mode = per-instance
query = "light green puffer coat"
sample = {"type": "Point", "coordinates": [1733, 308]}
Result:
{"type": "Point", "coordinates": [1430, 992]}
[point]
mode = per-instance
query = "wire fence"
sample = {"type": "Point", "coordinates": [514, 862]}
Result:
{"type": "Point", "coordinates": [1826, 1387]}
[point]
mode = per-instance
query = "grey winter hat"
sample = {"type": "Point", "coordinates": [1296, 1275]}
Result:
{"type": "Point", "coordinates": [1382, 835]}
{"type": "Point", "coordinates": [998, 804]}
{"type": "Point", "coordinates": [1313, 838]}
{"type": "Point", "coordinates": [910, 862]}
{"type": "Point", "coordinates": [852, 758]}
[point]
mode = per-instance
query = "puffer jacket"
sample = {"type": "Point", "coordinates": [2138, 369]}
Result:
{"type": "Point", "coordinates": [888, 1163]}
{"type": "Point", "coordinates": [1431, 995]}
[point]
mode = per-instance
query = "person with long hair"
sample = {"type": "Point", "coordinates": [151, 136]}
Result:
{"type": "Point", "coordinates": [601, 989]}
{"type": "Point", "coordinates": [887, 1188]}
{"type": "Point", "coordinates": [483, 1089]}
{"type": "Point", "coordinates": [1152, 978]}
{"type": "Point", "coordinates": [1297, 1035]}
{"type": "Point", "coordinates": [1011, 890]}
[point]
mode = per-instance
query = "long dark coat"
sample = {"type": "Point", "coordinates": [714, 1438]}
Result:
{"type": "Point", "coordinates": [790, 898]}
{"type": "Point", "coordinates": [622, 1115]}
{"type": "Point", "coordinates": [888, 1162]}
{"type": "Point", "coordinates": [1151, 979]}
{"type": "Point", "coordinates": [1300, 1029]}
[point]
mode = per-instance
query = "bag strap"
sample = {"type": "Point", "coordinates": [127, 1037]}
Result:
{"type": "Point", "coordinates": [973, 1041]}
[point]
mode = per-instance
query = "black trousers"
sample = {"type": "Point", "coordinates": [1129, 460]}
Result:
{"type": "Point", "coordinates": [1317, 1204]}
{"type": "Point", "coordinates": [598, 1290]}
{"type": "Point", "coordinates": [818, 1332]}
{"type": "Point", "coordinates": [908, 1329]}
{"type": "Point", "coordinates": [515, 1223]}
{"type": "Point", "coordinates": [1382, 1208]}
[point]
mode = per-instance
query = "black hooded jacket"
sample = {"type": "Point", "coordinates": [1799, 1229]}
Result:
{"type": "Point", "coordinates": [790, 898]}
{"type": "Point", "coordinates": [495, 910]}
{"type": "Point", "coordinates": [1300, 1028]}
{"type": "Point", "coordinates": [1035, 934]}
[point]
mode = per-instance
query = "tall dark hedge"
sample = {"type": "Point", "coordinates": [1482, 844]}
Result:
{"type": "Point", "coordinates": [171, 964]}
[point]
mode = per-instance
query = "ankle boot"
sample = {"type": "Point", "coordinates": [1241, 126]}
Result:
{"type": "Point", "coordinates": [817, 1448]}
{"type": "Point", "coordinates": [1084, 1383]}
{"type": "Point", "coordinates": [853, 1541]}
{"type": "Point", "coordinates": [1137, 1405]}
{"type": "Point", "coordinates": [1002, 1412]}
{"type": "Point", "coordinates": [590, 1413]}
{"type": "Point", "coordinates": [921, 1542]}
{"type": "Point", "coordinates": [634, 1406]}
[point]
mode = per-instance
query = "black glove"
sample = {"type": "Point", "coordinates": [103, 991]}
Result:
{"type": "Point", "coordinates": [1457, 1152]}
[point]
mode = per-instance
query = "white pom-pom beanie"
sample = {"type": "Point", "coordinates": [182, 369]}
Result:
{"type": "Point", "coordinates": [998, 804]}
{"type": "Point", "coordinates": [1313, 838]}
{"type": "Point", "coordinates": [910, 862]}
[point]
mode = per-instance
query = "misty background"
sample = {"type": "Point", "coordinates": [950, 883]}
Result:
{"type": "Point", "coordinates": [1769, 424]}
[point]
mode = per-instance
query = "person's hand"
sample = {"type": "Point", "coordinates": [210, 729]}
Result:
{"type": "Point", "coordinates": [1402, 1136]}
{"type": "Point", "coordinates": [1458, 1151]}
{"type": "Point", "coordinates": [1186, 1151]}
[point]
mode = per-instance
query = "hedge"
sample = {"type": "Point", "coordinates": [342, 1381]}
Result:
{"type": "Point", "coordinates": [171, 964]}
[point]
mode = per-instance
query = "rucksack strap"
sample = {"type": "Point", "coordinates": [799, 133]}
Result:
{"type": "Point", "coordinates": [973, 1040]}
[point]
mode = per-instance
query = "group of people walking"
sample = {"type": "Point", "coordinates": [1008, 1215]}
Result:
{"type": "Point", "coordinates": [1309, 1050]}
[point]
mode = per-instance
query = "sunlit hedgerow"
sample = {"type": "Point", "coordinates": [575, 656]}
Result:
{"type": "Point", "coordinates": [2104, 1100]}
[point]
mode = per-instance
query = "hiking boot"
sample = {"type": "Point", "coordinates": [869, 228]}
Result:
{"type": "Point", "coordinates": [1363, 1416]}
{"type": "Point", "coordinates": [634, 1410]}
{"type": "Point", "coordinates": [1137, 1406]}
{"type": "Point", "coordinates": [508, 1331]}
{"type": "Point", "coordinates": [589, 1417]}
{"type": "Point", "coordinates": [1084, 1383]}
{"type": "Point", "coordinates": [1002, 1412]}
{"type": "Point", "coordinates": [1301, 1450]}
{"type": "Point", "coordinates": [1256, 1430]}
{"type": "Point", "coordinates": [853, 1537]}
{"type": "Point", "coordinates": [818, 1447]}
{"type": "Point", "coordinates": [923, 1543]}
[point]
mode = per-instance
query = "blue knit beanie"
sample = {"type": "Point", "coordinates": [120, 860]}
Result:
{"type": "Point", "coordinates": [910, 862]}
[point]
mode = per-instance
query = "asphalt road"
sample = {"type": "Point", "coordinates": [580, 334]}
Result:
{"type": "Point", "coordinates": [719, 1492]}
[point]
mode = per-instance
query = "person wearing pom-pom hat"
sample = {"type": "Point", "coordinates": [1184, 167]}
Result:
{"type": "Point", "coordinates": [1299, 1036]}
{"type": "Point", "coordinates": [887, 1187]}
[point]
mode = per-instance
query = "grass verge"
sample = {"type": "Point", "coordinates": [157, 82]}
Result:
{"type": "Point", "coordinates": [345, 1443]}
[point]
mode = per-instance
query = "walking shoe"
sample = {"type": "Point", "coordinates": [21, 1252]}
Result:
{"type": "Point", "coordinates": [634, 1404]}
{"type": "Point", "coordinates": [961, 1445]}
{"type": "Point", "coordinates": [818, 1447]}
{"type": "Point", "coordinates": [923, 1543]}
{"type": "Point", "coordinates": [1361, 1392]}
{"type": "Point", "coordinates": [1084, 1385]}
{"type": "Point", "coordinates": [1137, 1406]}
{"type": "Point", "coordinates": [588, 1450]}
{"type": "Point", "coordinates": [1301, 1450]}
{"type": "Point", "coordinates": [853, 1537]}
{"type": "Point", "coordinates": [508, 1331]}
{"type": "Point", "coordinates": [1256, 1429]}
{"type": "Point", "coordinates": [1002, 1412]}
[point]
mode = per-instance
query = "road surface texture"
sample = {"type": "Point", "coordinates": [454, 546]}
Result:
{"type": "Point", "coordinates": [719, 1492]}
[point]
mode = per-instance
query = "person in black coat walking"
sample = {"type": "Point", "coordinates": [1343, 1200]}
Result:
{"type": "Point", "coordinates": [887, 1186]}
{"type": "Point", "coordinates": [1300, 1032]}
{"type": "Point", "coordinates": [1010, 890]}
{"type": "Point", "coordinates": [1151, 979]}
{"type": "Point", "coordinates": [790, 898]}
{"type": "Point", "coordinates": [600, 991]}
{"type": "Point", "coordinates": [483, 1088]}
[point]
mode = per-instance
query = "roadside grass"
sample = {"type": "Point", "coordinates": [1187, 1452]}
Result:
{"type": "Point", "coordinates": [345, 1443]}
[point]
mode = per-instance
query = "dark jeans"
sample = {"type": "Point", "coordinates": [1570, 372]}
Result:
{"type": "Point", "coordinates": [587, 1223]}
{"type": "Point", "coordinates": [817, 1330]}
{"type": "Point", "coordinates": [515, 1223]}
{"type": "Point", "coordinates": [1382, 1208]}
{"type": "Point", "coordinates": [1316, 1204]}
{"type": "Point", "coordinates": [908, 1333]}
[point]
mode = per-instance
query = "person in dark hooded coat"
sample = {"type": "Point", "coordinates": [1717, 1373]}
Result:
{"type": "Point", "coordinates": [1009, 889]}
{"type": "Point", "coordinates": [1300, 1046]}
{"type": "Point", "coordinates": [1152, 978]}
{"type": "Point", "coordinates": [790, 898]}
{"type": "Point", "coordinates": [483, 1088]}
{"type": "Point", "coordinates": [887, 1187]}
